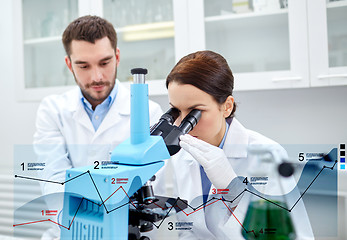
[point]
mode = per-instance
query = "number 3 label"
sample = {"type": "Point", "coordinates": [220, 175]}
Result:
{"type": "Point", "coordinates": [170, 226]}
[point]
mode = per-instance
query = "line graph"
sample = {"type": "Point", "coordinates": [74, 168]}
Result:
{"type": "Point", "coordinates": [211, 201]}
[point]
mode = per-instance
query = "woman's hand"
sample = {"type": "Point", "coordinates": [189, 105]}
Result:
{"type": "Point", "coordinates": [212, 159]}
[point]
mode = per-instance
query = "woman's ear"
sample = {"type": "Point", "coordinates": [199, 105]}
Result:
{"type": "Point", "coordinates": [228, 106]}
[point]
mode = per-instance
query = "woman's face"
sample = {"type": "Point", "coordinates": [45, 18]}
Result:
{"type": "Point", "coordinates": [211, 126]}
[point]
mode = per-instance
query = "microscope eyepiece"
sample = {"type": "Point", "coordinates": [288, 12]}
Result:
{"type": "Point", "coordinates": [171, 115]}
{"type": "Point", "coordinates": [171, 133]}
{"type": "Point", "coordinates": [138, 71]}
{"type": "Point", "coordinates": [190, 121]}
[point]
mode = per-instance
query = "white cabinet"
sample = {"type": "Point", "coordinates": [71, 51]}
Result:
{"type": "Point", "coordinates": [277, 43]}
{"type": "Point", "coordinates": [265, 43]}
{"type": "Point", "coordinates": [40, 67]}
{"type": "Point", "coordinates": [328, 42]}
{"type": "Point", "coordinates": [281, 44]}
{"type": "Point", "coordinates": [145, 31]}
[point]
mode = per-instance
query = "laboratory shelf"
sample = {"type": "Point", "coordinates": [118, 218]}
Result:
{"type": "Point", "coordinates": [143, 31]}
{"type": "Point", "coordinates": [250, 24]}
{"type": "Point", "coordinates": [248, 15]}
{"type": "Point", "coordinates": [147, 31]}
{"type": "Point", "coordinates": [337, 4]}
{"type": "Point", "coordinates": [146, 27]}
{"type": "Point", "coordinates": [34, 41]}
{"type": "Point", "coordinates": [336, 14]}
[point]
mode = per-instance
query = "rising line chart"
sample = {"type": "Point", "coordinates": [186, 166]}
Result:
{"type": "Point", "coordinates": [211, 201]}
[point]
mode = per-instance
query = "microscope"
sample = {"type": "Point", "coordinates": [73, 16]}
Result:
{"type": "Point", "coordinates": [116, 200]}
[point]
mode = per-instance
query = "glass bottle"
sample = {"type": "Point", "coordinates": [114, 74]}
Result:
{"type": "Point", "coordinates": [268, 216]}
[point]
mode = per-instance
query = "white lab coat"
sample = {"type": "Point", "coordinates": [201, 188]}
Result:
{"type": "Point", "coordinates": [65, 137]}
{"type": "Point", "coordinates": [216, 221]}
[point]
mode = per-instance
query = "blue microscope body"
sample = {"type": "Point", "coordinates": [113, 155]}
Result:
{"type": "Point", "coordinates": [97, 198]}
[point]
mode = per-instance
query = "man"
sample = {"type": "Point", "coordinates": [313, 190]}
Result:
{"type": "Point", "coordinates": [83, 125]}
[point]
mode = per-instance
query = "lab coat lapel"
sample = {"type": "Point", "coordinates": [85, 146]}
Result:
{"type": "Point", "coordinates": [237, 140]}
{"type": "Point", "coordinates": [194, 171]}
{"type": "Point", "coordinates": [191, 190]}
{"type": "Point", "coordinates": [119, 108]}
{"type": "Point", "coordinates": [80, 115]}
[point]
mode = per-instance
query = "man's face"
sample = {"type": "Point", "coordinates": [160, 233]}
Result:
{"type": "Point", "coordinates": [94, 67]}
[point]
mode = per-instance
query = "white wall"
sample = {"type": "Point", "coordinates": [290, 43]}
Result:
{"type": "Point", "coordinates": [16, 122]}
{"type": "Point", "coordinates": [306, 116]}
{"type": "Point", "coordinates": [309, 116]}
{"type": "Point", "coordinates": [17, 118]}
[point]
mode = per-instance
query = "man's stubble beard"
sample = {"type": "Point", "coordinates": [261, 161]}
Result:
{"type": "Point", "coordinates": [84, 88]}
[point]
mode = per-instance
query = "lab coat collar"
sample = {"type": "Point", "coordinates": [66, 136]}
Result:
{"type": "Point", "coordinates": [235, 145]}
{"type": "Point", "coordinates": [107, 102]}
{"type": "Point", "coordinates": [77, 109]}
{"type": "Point", "coordinates": [120, 106]}
{"type": "Point", "coordinates": [122, 100]}
{"type": "Point", "coordinates": [237, 140]}
{"type": "Point", "coordinates": [80, 115]}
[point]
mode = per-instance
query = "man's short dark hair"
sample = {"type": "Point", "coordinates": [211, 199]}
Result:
{"type": "Point", "coordinates": [89, 28]}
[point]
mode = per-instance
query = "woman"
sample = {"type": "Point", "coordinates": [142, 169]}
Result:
{"type": "Point", "coordinates": [213, 161]}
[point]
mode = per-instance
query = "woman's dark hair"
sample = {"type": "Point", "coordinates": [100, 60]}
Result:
{"type": "Point", "coordinates": [208, 71]}
{"type": "Point", "coordinates": [89, 28]}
